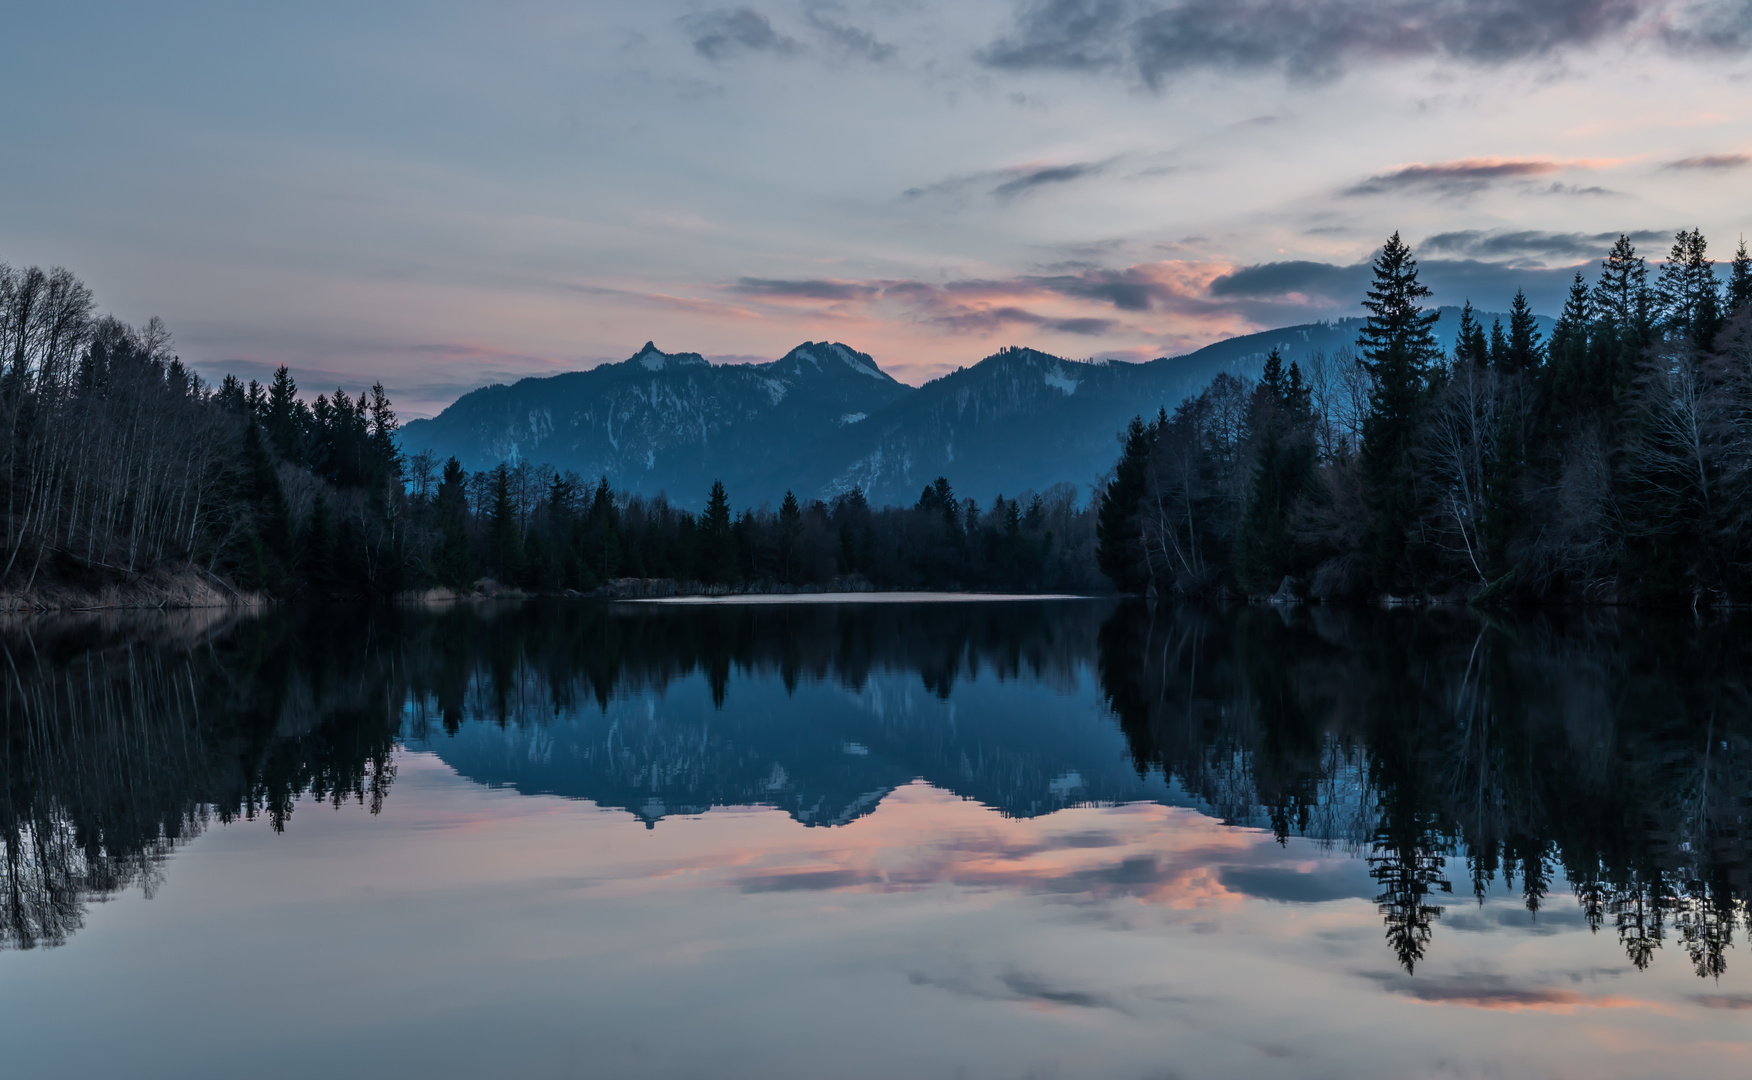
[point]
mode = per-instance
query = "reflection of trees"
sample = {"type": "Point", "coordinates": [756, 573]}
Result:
{"type": "Point", "coordinates": [117, 748]}
{"type": "Point", "coordinates": [1617, 755]}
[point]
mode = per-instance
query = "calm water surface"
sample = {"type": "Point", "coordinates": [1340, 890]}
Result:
{"type": "Point", "coordinates": [1062, 838]}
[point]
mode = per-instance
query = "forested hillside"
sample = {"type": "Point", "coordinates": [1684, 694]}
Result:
{"type": "Point", "coordinates": [121, 464]}
{"type": "Point", "coordinates": [1610, 460]}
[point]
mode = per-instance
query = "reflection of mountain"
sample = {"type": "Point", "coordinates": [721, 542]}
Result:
{"type": "Point", "coordinates": [823, 752]}
{"type": "Point", "coordinates": [1451, 754]}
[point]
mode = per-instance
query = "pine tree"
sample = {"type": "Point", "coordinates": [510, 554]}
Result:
{"type": "Point", "coordinates": [1525, 349]}
{"type": "Point", "coordinates": [1118, 552]}
{"type": "Point", "coordinates": [1688, 293]}
{"type": "Point", "coordinates": [717, 544]}
{"type": "Point", "coordinates": [1622, 310]}
{"type": "Point", "coordinates": [1469, 344]}
{"type": "Point", "coordinates": [284, 416]}
{"type": "Point", "coordinates": [1398, 347]}
{"type": "Point", "coordinates": [1565, 385]}
{"type": "Point", "coordinates": [454, 561]}
{"type": "Point", "coordinates": [504, 536]}
{"type": "Point", "coordinates": [1499, 346]}
{"type": "Point", "coordinates": [790, 530]}
{"type": "Point", "coordinates": [1739, 282]}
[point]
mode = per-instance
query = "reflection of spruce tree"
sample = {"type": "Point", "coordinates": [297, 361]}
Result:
{"type": "Point", "coordinates": [1407, 862]}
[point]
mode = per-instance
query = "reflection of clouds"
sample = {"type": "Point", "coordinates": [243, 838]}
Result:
{"type": "Point", "coordinates": [1482, 990]}
{"type": "Point", "coordinates": [921, 837]}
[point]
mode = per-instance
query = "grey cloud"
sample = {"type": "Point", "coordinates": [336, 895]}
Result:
{"type": "Point", "coordinates": [1012, 182]}
{"type": "Point", "coordinates": [1016, 986]}
{"type": "Point", "coordinates": [1711, 161]}
{"type": "Point", "coordinates": [1157, 40]}
{"type": "Point", "coordinates": [1127, 290]}
{"type": "Point", "coordinates": [726, 31]}
{"type": "Point", "coordinates": [1736, 1002]}
{"type": "Point", "coordinates": [1293, 886]}
{"type": "Point", "coordinates": [1452, 177]}
{"type": "Point", "coordinates": [961, 318]}
{"type": "Point", "coordinates": [808, 289]}
{"type": "Point", "coordinates": [1524, 244]}
{"type": "Point", "coordinates": [1280, 279]}
{"type": "Point", "coordinates": [1267, 291]}
{"type": "Point", "coordinates": [1055, 174]}
{"type": "Point", "coordinates": [849, 39]}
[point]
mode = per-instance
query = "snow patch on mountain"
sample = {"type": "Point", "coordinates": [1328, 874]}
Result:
{"type": "Point", "coordinates": [1057, 379]}
{"type": "Point", "coordinates": [852, 418]}
{"type": "Point", "coordinates": [857, 363]}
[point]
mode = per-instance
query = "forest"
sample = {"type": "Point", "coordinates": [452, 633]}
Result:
{"type": "Point", "coordinates": [1609, 464]}
{"type": "Point", "coordinates": [118, 460]}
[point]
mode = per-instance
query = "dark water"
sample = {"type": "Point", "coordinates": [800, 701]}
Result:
{"type": "Point", "coordinates": [1065, 838]}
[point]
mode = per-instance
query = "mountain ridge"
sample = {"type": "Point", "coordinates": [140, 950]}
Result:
{"type": "Point", "coordinates": [825, 417]}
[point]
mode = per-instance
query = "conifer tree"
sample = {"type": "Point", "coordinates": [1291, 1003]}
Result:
{"type": "Point", "coordinates": [1739, 282]}
{"type": "Point", "coordinates": [1499, 346]}
{"type": "Point", "coordinates": [1622, 310]}
{"type": "Point", "coordinates": [717, 544]}
{"type": "Point", "coordinates": [1525, 349]}
{"type": "Point", "coordinates": [454, 560]}
{"type": "Point", "coordinates": [1565, 384]}
{"type": "Point", "coordinates": [1118, 551]}
{"type": "Point", "coordinates": [1688, 293]}
{"type": "Point", "coordinates": [504, 534]}
{"type": "Point", "coordinates": [1470, 346]}
{"type": "Point", "coordinates": [1398, 346]}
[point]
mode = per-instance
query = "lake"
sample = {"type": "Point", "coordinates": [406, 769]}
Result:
{"type": "Point", "coordinates": [1077, 838]}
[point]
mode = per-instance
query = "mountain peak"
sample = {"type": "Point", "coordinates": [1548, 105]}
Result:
{"type": "Point", "coordinates": [651, 358]}
{"type": "Point", "coordinates": [825, 357]}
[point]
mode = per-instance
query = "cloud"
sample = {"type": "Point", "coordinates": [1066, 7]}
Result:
{"type": "Point", "coordinates": [726, 31]}
{"type": "Point", "coordinates": [1315, 281]}
{"type": "Point", "coordinates": [1711, 161]}
{"type": "Point", "coordinates": [1012, 182]}
{"type": "Point", "coordinates": [1483, 991]}
{"type": "Point", "coordinates": [817, 289]}
{"type": "Point", "coordinates": [1452, 177]}
{"type": "Point", "coordinates": [1158, 40]}
{"type": "Point", "coordinates": [851, 40]}
{"type": "Point", "coordinates": [1736, 1002]}
{"type": "Point", "coordinates": [1522, 245]}
{"type": "Point", "coordinates": [1055, 174]}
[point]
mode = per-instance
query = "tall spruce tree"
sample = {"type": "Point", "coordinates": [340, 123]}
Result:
{"type": "Point", "coordinates": [1470, 346]}
{"type": "Point", "coordinates": [1565, 385]}
{"type": "Point", "coordinates": [1526, 351]}
{"type": "Point", "coordinates": [1688, 293]}
{"type": "Point", "coordinates": [1119, 550]}
{"type": "Point", "coordinates": [1623, 310]}
{"type": "Point", "coordinates": [1739, 282]}
{"type": "Point", "coordinates": [717, 542]}
{"type": "Point", "coordinates": [1398, 347]}
{"type": "Point", "coordinates": [504, 531]}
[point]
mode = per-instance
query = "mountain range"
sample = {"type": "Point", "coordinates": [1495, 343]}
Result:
{"type": "Point", "coordinates": [825, 417]}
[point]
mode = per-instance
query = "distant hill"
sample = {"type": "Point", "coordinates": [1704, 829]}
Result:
{"type": "Point", "coordinates": [825, 417]}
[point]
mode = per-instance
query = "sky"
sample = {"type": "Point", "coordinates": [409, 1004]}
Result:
{"type": "Point", "coordinates": [442, 195]}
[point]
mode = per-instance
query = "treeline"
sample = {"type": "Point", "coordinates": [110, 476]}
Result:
{"type": "Point", "coordinates": [116, 460]}
{"type": "Point", "coordinates": [1612, 462]}
{"type": "Point", "coordinates": [536, 528]}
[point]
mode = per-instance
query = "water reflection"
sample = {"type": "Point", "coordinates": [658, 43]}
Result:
{"type": "Point", "coordinates": [1601, 755]}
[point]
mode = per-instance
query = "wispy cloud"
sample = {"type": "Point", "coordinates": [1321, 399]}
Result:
{"type": "Point", "coordinates": [1522, 244]}
{"type": "Point", "coordinates": [1711, 161]}
{"type": "Point", "coordinates": [1453, 177]}
{"type": "Point", "coordinates": [1011, 182]}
